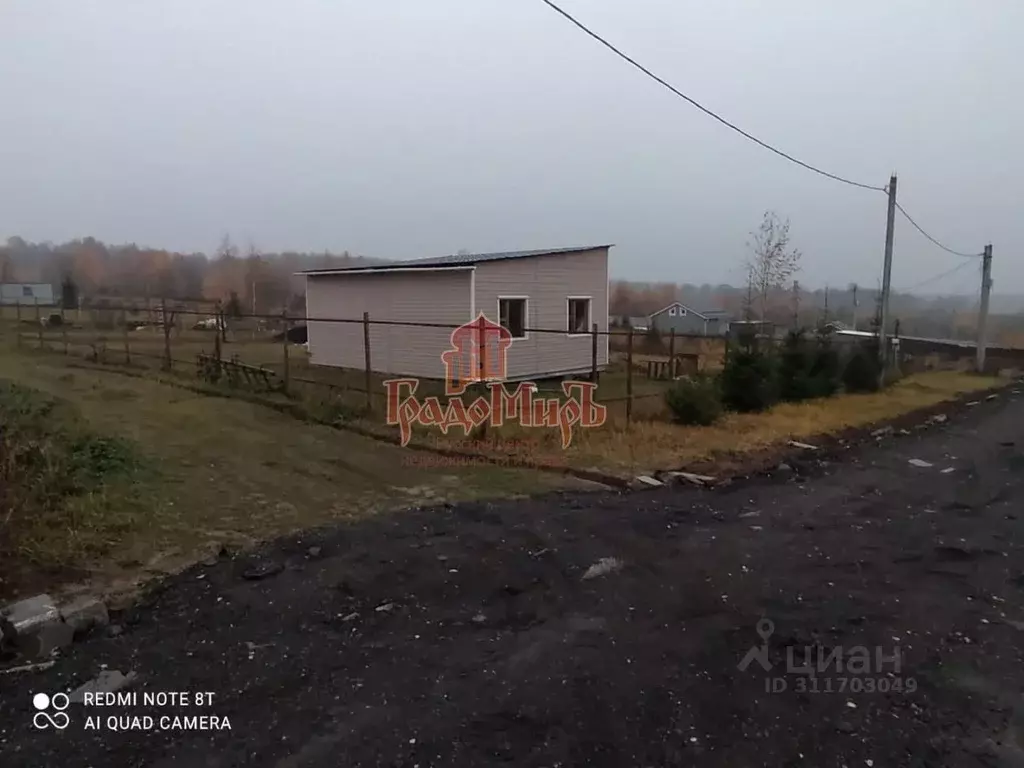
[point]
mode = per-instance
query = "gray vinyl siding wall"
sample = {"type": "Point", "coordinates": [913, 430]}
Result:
{"type": "Point", "coordinates": [690, 323]}
{"type": "Point", "coordinates": [548, 281]}
{"type": "Point", "coordinates": [422, 296]}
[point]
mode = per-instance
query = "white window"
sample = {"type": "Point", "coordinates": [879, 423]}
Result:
{"type": "Point", "coordinates": [578, 314]}
{"type": "Point", "coordinates": [672, 312]}
{"type": "Point", "coordinates": [512, 315]}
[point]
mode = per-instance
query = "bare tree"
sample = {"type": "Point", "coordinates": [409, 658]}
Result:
{"type": "Point", "coordinates": [227, 249]}
{"type": "Point", "coordinates": [772, 261]}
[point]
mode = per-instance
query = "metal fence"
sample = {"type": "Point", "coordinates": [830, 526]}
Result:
{"type": "Point", "coordinates": [256, 351]}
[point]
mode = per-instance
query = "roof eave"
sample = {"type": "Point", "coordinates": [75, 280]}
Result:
{"type": "Point", "coordinates": [378, 270]}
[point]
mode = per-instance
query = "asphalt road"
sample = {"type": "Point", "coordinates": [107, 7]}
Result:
{"type": "Point", "coordinates": [470, 637]}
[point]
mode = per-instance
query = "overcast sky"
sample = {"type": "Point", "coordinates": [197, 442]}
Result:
{"type": "Point", "coordinates": [411, 128]}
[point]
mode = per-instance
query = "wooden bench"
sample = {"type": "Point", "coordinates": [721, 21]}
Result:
{"type": "Point", "coordinates": [670, 369]}
{"type": "Point", "coordinates": [235, 373]}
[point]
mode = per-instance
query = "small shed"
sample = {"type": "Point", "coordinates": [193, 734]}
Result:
{"type": "Point", "coordinates": [29, 294]}
{"type": "Point", "coordinates": [549, 300]}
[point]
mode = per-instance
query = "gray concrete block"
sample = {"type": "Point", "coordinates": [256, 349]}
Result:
{"type": "Point", "coordinates": [85, 612]}
{"type": "Point", "coordinates": [24, 616]}
{"type": "Point", "coordinates": [44, 639]}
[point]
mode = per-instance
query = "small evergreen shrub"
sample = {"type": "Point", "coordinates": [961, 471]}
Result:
{"type": "Point", "coordinates": [795, 363]}
{"type": "Point", "coordinates": [826, 371]}
{"type": "Point", "coordinates": [695, 401]}
{"type": "Point", "coordinates": [748, 381]}
{"type": "Point", "coordinates": [862, 371]}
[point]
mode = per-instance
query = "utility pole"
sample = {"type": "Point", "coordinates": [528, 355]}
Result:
{"type": "Point", "coordinates": [255, 322]}
{"type": "Point", "coordinates": [890, 226]}
{"type": "Point", "coordinates": [855, 305]}
{"type": "Point", "coordinates": [986, 288]}
{"type": "Point", "coordinates": [748, 310]}
{"type": "Point", "coordinates": [796, 305]}
{"type": "Point", "coordinates": [824, 318]}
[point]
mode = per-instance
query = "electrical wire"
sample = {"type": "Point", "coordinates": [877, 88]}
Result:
{"type": "Point", "coordinates": [935, 278]}
{"type": "Point", "coordinates": [932, 239]}
{"type": "Point", "coordinates": [743, 133]}
{"type": "Point", "coordinates": [704, 109]}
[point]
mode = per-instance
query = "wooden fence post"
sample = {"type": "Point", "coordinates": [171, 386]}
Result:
{"type": "Point", "coordinates": [167, 334]}
{"type": "Point", "coordinates": [369, 370]}
{"type": "Point", "coordinates": [124, 332]}
{"type": "Point", "coordinates": [287, 327]}
{"type": "Point", "coordinates": [672, 353]}
{"type": "Point", "coordinates": [39, 324]}
{"type": "Point", "coordinates": [17, 322]}
{"type": "Point", "coordinates": [629, 377]}
{"type": "Point", "coordinates": [593, 354]}
{"type": "Point", "coordinates": [481, 335]}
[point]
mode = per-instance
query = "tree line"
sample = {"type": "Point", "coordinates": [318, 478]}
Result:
{"type": "Point", "coordinates": [89, 268]}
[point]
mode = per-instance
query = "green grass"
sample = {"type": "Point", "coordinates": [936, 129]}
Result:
{"type": "Point", "coordinates": [66, 490]}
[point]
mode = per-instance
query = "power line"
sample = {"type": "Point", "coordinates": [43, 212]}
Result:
{"type": "Point", "coordinates": [932, 239]}
{"type": "Point", "coordinates": [704, 109]}
{"type": "Point", "coordinates": [936, 278]}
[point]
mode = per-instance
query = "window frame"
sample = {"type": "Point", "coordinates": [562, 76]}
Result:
{"type": "Point", "coordinates": [526, 315]}
{"type": "Point", "coordinates": [590, 315]}
{"type": "Point", "coordinates": [671, 311]}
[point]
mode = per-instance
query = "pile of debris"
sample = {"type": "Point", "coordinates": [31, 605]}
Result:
{"type": "Point", "coordinates": [35, 628]}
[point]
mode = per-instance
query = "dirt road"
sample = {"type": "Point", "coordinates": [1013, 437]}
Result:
{"type": "Point", "coordinates": [469, 636]}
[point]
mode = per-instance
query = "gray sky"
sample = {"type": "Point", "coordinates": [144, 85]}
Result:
{"type": "Point", "coordinates": [411, 128]}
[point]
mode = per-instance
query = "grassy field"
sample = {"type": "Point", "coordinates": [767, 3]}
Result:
{"type": "Point", "coordinates": [145, 347]}
{"type": "Point", "coordinates": [203, 472]}
{"type": "Point", "coordinates": [648, 443]}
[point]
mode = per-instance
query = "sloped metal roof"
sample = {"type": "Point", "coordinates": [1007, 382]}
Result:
{"type": "Point", "coordinates": [459, 260]}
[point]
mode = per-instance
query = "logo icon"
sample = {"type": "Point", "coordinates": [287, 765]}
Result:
{"type": "Point", "coordinates": [478, 355]}
{"type": "Point", "coordinates": [765, 628]}
{"type": "Point", "coordinates": [43, 719]}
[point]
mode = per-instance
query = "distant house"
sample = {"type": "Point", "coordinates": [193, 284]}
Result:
{"type": "Point", "coordinates": [752, 328]}
{"type": "Point", "coordinates": [625, 321]}
{"type": "Point", "coordinates": [561, 290]}
{"type": "Point", "coordinates": [29, 294]}
{"type": "Point", "coordinates": [683, 320]}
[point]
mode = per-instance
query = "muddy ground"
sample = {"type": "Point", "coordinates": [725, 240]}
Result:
{"type": "Point", "coordinates": [469, 636]}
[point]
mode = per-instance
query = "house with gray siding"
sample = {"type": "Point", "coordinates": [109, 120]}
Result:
{"type": "Point", "coordinates": [29, 294]}
{"type": "Point", "coordinates": [561, 291]}
{"type": "Point", "coordinates": [683, 320]}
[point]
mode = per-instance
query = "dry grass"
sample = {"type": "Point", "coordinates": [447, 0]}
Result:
{"type": "Point", "coordinates": [651, 445]}
{"type": "Point", "coordinates": [228, 471]}
{"type": "Point", "coordinates": [650, 442]}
